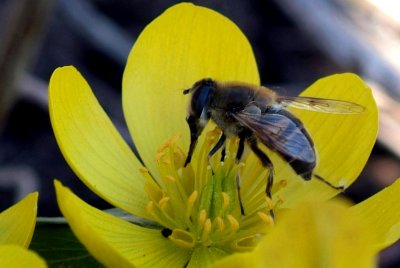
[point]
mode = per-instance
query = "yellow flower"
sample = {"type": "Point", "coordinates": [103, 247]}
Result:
{"type": "Point", "coordinates": [196, 208]}
{"type": "Point", "coordinates": [17, 224]}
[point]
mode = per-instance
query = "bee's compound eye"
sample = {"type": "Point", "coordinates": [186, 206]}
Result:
{"type": "Point", "coordinates": [201, 99]}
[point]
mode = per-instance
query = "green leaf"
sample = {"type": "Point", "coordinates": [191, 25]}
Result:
{"type": "Point", "coordinates": [59, 247]}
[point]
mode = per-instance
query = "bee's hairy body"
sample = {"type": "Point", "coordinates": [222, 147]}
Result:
{"type": "Point", "coordinates": [229, 99]}
{"type": "Point", "coordinates": [257, 114]}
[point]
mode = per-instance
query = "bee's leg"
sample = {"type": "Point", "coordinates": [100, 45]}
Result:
{"type": "Point", "coordinates": [194, 135]}
{"type": "Point", "coordinates": [239, 154]}
{"type": "Point", "coordinates": [239, 195]}
{"type": "Point", "coordinates": [219, 144]}
{"type": "Point", "coordinates": [340, 187]}
{"type": "Point", "coordinates": [266, 162]}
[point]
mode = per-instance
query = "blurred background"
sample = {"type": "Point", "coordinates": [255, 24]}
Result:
{"type": "Point", "coordinates": [295, 43]}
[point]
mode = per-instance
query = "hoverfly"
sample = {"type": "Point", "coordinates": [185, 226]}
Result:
{"type": "Point", "coordinates": [258, 114]}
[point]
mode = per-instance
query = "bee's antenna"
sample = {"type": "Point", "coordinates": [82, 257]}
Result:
{"type": "Point", "coordinates": [186, 91]}
{"type": "Point", "coordinates": [340, 187]}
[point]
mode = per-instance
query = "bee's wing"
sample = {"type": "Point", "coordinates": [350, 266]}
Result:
{"type": "Point", "coordinates": [279, 133]}
{"type": "Point", "coordinates": [321, 105]}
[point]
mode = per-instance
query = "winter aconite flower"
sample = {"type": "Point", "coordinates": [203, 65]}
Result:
{"type": "Point", "coordinates": [16, 229]}
{"type": "Point", "coordinates": [196, 208]}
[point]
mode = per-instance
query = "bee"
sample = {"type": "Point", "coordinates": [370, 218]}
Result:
{"type": "Point", "coordinates": [257, 114]}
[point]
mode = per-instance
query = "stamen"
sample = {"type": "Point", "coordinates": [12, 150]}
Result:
{"type": "Point", "coordinates": [234, 223]}
{"type": "Point", "coordinates": [150, 207]}
{"type": "Point", "coordinates": [182, 238]}
{"type": "Point", "coordinates": [220, 223]}
{"type": "Point", "coordinates": [279, 201]}
{"type": "Point", "coordinates": [159, 155]}
{"type": "Point", "coordinates": [246, 243]}
{"type": "Point", "coordinates": [143, 170]}
{"type": "Point", "coordinates": [179, 158]}
{"type": "Point", "coordinates": [270, 204]}
{"type": "Point", "coordinates": [168, 143]}
{"type": "Point", "coordinates": [170, 179]}
{"type": "Point", "coordinates": [202, 217]}
{"type": "Point", "coordinates": [282, 184]}
{"type": "Point", "coordinates": [163, 202]}
{"type": "Point", "coordinates": [206, 231]}
{"type": "Point", "coordinates": [266, 218]}
{"type": "Point", "coordinates": [225, 199]}
{"type": "Point", "coordinates": [190, 203]}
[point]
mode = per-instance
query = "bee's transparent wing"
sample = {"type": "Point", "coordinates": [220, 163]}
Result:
{"type": "Point", "coordinates": [280, 133]}
{"type": "Point", "coordinates": [321, 105]}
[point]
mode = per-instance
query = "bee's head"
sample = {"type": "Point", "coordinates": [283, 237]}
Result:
{"type": "Point", "coordinates": [201, 95]}
{"type": "Point", "coordinates": [198, 111]}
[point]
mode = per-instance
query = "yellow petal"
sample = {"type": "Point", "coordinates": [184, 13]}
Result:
{"type": "Point", "coordinates": [18, 222]}
{"type": "Point", "coordinates": [312, 235]}
{"type": "Point", "coordinates": [91, 145]}
{"type": "Point", "coordinates": [19, 257]}
{"type": "Point", "coordinates": [382, 211]}
{"type": "Point", "coordinates": [343, 142]}
{"type": "Point", "coordinates": [184, 44]}
{"type": "Point", "coordinates": [115, 242]}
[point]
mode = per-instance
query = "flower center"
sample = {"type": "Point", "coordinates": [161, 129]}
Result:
{"type": "Point", "coordinates": [200, 204]}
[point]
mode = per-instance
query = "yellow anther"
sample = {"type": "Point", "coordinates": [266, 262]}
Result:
{"type": "Point", "coordinates": [168, 143]}
{"type": "Point", "coordinates": [270, 205]}
{"type": "Point", "coordinates": [234, 223]}
{"type": "Point", "coordinates": [163, 202]}
{"type": "Point", "coordinates": [166, 161]}
{"type": "Point", "coordinates": [170, 179]}
{"type": "Point", "coordinates": [202, 217]}
{"type": "Point", "coordinates": [220, 223]}
{"type": "Point", "coordinates": [266, 218]}
{"type": "Point", "coordinates": [190, 203]}
{"type": "Point", "coordinates": [153, 190]}
{"type": "Point", "coordinates": [282, 183]}
{"type": "Point", "coordinates": [182, 238]}
{"type": "Point", "coordinates": [246, 243]}
{"type": "Point", "coordinates": [193, 197]}
{"type": "Point", "coordinates": [225, 200]}
{"type": "Point", "coordinates": [206, 230]}
{"type": "Point", "coordinates": [280, 200]}
{"type": "Point", "coordinates": [143, 170]}
{"type": "Point", "coordinates": [159, 156]}
{"type": "Point", "coordinates": [150, 207]}
{"type": "Point", "coordinates": [179, 157]}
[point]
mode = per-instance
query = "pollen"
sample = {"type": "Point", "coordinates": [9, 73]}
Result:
{"type": "Point", "coordinates": [201, 203]}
